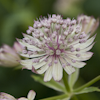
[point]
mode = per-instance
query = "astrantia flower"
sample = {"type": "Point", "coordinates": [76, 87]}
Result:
{"type": "Point", "coordinates": [9, 57]}
{"type": "Point", "coordinates": [30, 96]}
{"type": "Point", "coordinates": [89, 23]}
{"type": "Point", "coordinates": [54, 44]}
{"type": "Point", "coordinates": [5, 96]}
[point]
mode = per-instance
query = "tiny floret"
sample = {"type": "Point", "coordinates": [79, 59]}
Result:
{"type": "Point", "coordinates": [54, 44]}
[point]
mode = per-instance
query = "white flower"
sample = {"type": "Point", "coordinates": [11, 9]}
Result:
{"type": "Point", "coordinates": [9, 57]}
{"type": "Point", "coordinates": [54, 44]}
{"type": "Point", "coordinates": [5, 96]}
{"type": "Point", "coordinates": [30, 96]}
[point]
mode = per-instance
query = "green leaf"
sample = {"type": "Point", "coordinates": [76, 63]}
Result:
{"type": "Point", "coordinates": [88, 84]}
{"type": "Point", "coordinates": [87, 90]}
{"type": "Point", "coordinates": [59, 97]}
{"type": "Point", "coordinates": [73, 78]}
{"type": "Point", "coordinates": [68, 98]}
{"type": "Point", "coordinates": [51, 84]}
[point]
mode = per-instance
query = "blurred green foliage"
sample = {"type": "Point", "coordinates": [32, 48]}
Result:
{"type": "Point", "coordinates": [16, 16]}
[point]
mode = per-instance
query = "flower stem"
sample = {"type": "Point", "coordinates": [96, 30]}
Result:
{"type": "Point", "coordinates": [88, 84]}
{"type": "Point", "coordinates": [56, 97]}
{"type": "Point", "coordinates": [65, 80]}
{"type": "Point", "coordinates": [74, 98]}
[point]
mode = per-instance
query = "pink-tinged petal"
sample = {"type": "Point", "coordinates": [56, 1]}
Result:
{"type": "Point", "coordinates": [95, 26]}
{"type": "Point", "coordinates": [8, 60]}
{"type": "Point", "coordinates": [31, 95]}
{"type": "Point", "coordinates": [57, 71]}
{"type": "Point", "coordinates": [89, 23]}
{"type": "Point", "coordinates": [8, 56]}
{"type": "Point", "coordinates": [33, 70]}
{"type": "Point", "coordinates": [17, 47]}
{"type": "Point", "coordinates": [8, 49]}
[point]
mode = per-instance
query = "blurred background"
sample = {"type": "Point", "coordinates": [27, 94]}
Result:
{"type": "Point", "coordinates": [17, 15]}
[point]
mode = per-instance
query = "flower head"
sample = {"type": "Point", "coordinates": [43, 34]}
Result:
{"type": "Point", "coordinates": [54, 44]}
{"type": "Point", "coordinates": [30, 96]}
{"type": "Point", "coordinates": [89, 23]}
{"type": "Point", "coordinates": [9, 56]}
{"type": "Point", "coordinates": [5, 96]}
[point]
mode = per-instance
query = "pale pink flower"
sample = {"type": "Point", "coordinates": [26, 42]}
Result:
{"type": "Point", "coordinates": [89, 23]}
{"type": "Point", "coordinates": [9, 56]}
{"type": "Point", "coordinates": [17, 47]}
{"type": "Point", "coordinates": [5, 96]}
{"type": "Point", "coordinates": [54, 44]}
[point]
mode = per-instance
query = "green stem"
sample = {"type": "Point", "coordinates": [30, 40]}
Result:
{"type": "Point", "coordinates": [65, 80]}
{"type": "Point", "coordinates": [56, 97]}
{"type": "Point", "coordinates": [87, 84]}
{"type": "Point", "coordinates": [74, 98]}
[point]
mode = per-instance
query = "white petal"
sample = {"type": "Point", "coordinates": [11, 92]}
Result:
{"type": "Point", "coordinates": [30, 37]}
{"type": "Point", "coordinates": [31, 95]}
{"type": "Point", "coordinates": [57, 71]}
{"type": "Point", "coordinates": [45, 67]}
{"type": "Point", "coordinates": [86, 44]}
{"type": "Point", "coordinates": [42, 59]}
{"type": "Point", "coordinates": [77, 64]}
{"type": "Point", "coordinates": [83, 56]}
{"type": "Point", "coordinates": [73, 43]}
{"type": "Point", "coordinates": [29, 47]}
{"type": "Point", "coordinates": [87, 48]}
{"type": "Point", "coordinates": [48, 74]}
{"type": "Point", "coordinates": [26, 63]}
{"type": "Point", "coordinates": [69, 69]}
{"type": "Point", "coordinates": [33, 55]}
{"type": "Point", "coordinates": [38, 65]}
{"type": "Point", "coordinates": [81, 50]}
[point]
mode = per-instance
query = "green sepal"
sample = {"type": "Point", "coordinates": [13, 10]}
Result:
{"type": "Point", "coordinates": [18, 67]}
{"type": "Point", "coordinates": [51, 84]}
{"type": "Point", "coordinates": [73, 78]}
{"type": "Point", "coordinates": [88, 89]}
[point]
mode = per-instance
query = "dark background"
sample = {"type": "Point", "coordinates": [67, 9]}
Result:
{"type": "Point", "coordinates": [17, 15]}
